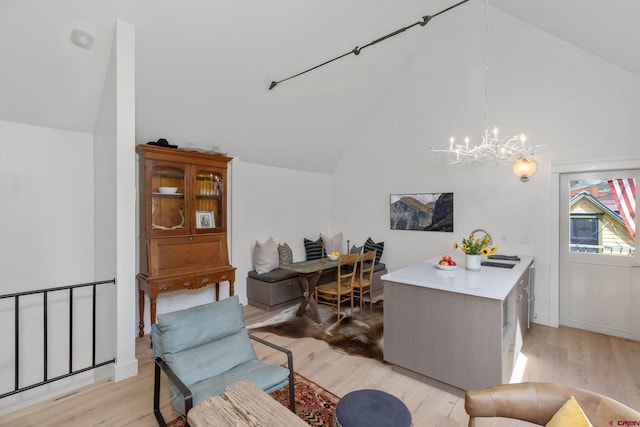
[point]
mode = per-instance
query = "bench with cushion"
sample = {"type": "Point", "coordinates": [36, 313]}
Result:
{"type": "Point", "coordinates": [280, 287]}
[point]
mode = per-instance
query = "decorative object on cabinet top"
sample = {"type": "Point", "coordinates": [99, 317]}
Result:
{"type": "Point", "coordinates": [162, 143]}
{"type": "Point", "coordinates": [213, 150]}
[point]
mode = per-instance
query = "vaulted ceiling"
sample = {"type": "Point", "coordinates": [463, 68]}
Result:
{"type": "Point", "coordinates": [203, 67]}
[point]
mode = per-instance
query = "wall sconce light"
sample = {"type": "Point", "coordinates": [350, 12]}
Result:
{"type": "Point", "coordinates": [524, 169]}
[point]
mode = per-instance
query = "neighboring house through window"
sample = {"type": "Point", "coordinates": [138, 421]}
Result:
{"type": "Point", "coordinates": [602, 214]}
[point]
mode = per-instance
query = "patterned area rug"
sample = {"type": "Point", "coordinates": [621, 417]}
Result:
{"type": "Point", "coordinates": [360, 334]}
{"type": "Point", "coordinates": [314, 404]}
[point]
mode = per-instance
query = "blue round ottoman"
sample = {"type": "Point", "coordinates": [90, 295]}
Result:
{"type": "Point", "coordinates": [371, 408]}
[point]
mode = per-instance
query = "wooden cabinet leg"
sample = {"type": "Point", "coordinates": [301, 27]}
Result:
{"type": "Point", "coordinates": [152, 309]}
{"type": "Point", "coordinates": [218, 290]}
{"type": "Point", "coordinates": [141, 312]}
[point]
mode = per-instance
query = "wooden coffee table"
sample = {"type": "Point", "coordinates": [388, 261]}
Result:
{"type": "Point", "coordinates": [243, 404]}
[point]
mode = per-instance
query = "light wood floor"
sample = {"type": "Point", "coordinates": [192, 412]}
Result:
{"type": "Point", "coordinates": [599, 363]}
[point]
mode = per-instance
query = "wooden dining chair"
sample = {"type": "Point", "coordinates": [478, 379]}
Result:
{"type": "Point", "coordinates": [363, 283]}
{"type": "Point", "coordinates": [340, 291]}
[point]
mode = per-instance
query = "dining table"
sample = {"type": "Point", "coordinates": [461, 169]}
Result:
{"type": "Point", "coordinates": [309, 272]}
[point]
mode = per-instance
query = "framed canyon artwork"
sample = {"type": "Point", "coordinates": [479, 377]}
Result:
{"type": "Point", "coordinates": [422, 212]}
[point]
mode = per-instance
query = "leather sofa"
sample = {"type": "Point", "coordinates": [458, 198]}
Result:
{"type": "Point", "coordinates": [538, 402]}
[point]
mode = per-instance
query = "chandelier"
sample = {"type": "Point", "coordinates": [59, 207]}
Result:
{"type": "Point", "coordinates": [513, 149]}
{"type": "Point", "coordinates": [501, 150]}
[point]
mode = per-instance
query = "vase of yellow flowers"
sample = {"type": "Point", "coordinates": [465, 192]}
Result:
{"type": "Point", "coordinates": [472, 262]}
{"type": "Point", "coordinates": [474, 247]}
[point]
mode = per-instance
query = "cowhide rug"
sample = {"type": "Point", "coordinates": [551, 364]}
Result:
{"type": "Point", "coordinates": [359, 335]}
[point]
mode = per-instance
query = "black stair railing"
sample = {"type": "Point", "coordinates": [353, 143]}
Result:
{"type": "Point", "coordinates": [45, 358]}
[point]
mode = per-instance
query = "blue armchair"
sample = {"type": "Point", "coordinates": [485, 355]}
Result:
{"type": "Point", "coordinates": [205, 348]}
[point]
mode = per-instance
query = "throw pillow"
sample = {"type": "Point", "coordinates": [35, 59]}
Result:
{"type": "Point", "coordinates": [355, 250]}
{"type": "Point", "coordinates": [313, 249]}
{"type": "Point", "coordinates": [285, 253]}
{"type": "Point", "coordinates": [265, 256]}
{"type": "Point", "coordinates": [569, 414]}
{"type": "Point", "coordinates": [332, 244]}
{"type": "Point", "coordinates": [370, 245]}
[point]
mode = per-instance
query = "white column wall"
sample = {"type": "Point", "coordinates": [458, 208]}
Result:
{"type": "Point", "coordinates": [115, 179]}
{"type": "Point", "coordinates": [126, 362]}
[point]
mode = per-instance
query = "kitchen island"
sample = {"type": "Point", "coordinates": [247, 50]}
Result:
{"type": "Point", "coordinates": [457, 329]}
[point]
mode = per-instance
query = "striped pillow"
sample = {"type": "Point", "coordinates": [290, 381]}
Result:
{"type": "Point", "coordinates": [313, 249]}
{"type": "Point", "coordinates": [370, 245]}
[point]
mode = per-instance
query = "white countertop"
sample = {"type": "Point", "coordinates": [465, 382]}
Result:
{"type": "Point", "coordinates": [489, 282]}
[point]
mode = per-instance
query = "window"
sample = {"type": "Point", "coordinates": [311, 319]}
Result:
{"type": "Point", "coordinates": [585, 234]}
{"type": "Point", "coordinates": [602, 215]}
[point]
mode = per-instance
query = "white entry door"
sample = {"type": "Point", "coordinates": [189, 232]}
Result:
{"type": "Point", "coordinates": [599, 260]}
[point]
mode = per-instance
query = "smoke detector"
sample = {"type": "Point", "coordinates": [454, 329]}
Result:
{"type": "Point", "coordinates": [81, 38]}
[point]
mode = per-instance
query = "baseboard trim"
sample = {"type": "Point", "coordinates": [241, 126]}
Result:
{"type": "Point", "coordinates": [122, 371]}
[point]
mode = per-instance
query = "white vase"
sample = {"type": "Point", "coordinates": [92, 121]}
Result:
{"type": "Point", "coordinates": [472, 262]}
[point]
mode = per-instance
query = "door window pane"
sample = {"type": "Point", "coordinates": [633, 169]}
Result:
{"type": "Point", "coordinates": [603, 216]}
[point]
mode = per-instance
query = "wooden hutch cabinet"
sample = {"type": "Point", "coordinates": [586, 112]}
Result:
{"type": "Point", "coordinates": [183, 223]}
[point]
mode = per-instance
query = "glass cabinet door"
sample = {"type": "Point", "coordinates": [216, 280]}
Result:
{"type": "Point", "coordinates": [209, 197]}
{"type": "Point", "coordinates": [168, 208]}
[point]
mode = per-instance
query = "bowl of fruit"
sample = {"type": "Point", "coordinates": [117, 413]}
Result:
{"type": "Point", "coordinates": [446, 263]}
{"type": "Point", "coordinates": [334, 255]}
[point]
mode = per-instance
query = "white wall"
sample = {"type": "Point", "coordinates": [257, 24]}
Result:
{"type": "Point", "coordinates": [578, 105]}
{"type": "Point", "coordinates": [46, 229]}
{"type": "Point", "coordinates": [47, 208]}
{"type": "Point", "coordinates": [264, 202]}
{"type": "Point", "coordinates": [285, 204]}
